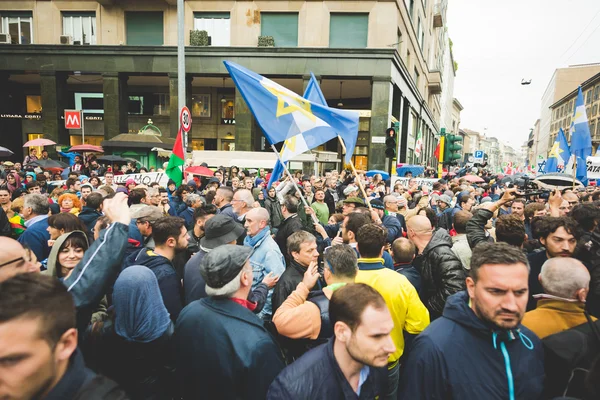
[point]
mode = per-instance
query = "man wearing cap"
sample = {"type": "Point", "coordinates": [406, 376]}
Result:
{"type": "Point", "coordinates": [444, 212]}
{"type": "Point", "coordinates": [219, 230]}
{"type": "Point", "coordinates": [391, 223]}
{"type": "Point", "coordinates": [144, 219]}
{"type": "Point", "coordinates": [351, 191]}
{"type": "Point", "coordinates": [351, 204]}
{"type": "Point", "coordinates": [222, 349]}
{"type": "Point", "coordinates": [170, 237]}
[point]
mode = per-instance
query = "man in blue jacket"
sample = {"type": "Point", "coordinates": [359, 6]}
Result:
{"type": "Point", "coordinates": [222, 349]}
{"type": "Point", "coordinates": [478, 349]}
{"type": "Point", "coordinates": [36, 236]}
{"type": "Point", "coordinates": [353, 363]}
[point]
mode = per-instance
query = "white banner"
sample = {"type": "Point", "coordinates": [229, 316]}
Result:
{"type": "Point", "coordinates": [420, 181]}
{"type": "Point", "coordinates": [141, 179]}
{"type": "Point", "coordinates": [593, 167]}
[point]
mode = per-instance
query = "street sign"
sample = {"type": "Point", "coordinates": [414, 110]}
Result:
{"type": "Point", "coordinates": [185, 119]}
{"type": "Point", "coordinates": [72, 119]}
{"type": "Point", "coordinates": [478, 156]}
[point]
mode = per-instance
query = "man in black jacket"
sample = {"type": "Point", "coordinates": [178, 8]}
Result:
{"type": "Point", "coordinates": [303, 253]}
{"type": "Point", "coordinates": [353, 361]}
{"type": "Point", "coordinates": [291, 223]}
{"type": "Point", "coordinates": [441, 271]}
{"type": "Point", "coordinates": [38, 344]}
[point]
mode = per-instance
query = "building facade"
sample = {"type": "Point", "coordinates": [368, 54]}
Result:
{"type": "Point", "coordinates": [562, 111]}
{"type": "Point", "coordinates": [563, 81]}
{"type": "Point", "coordinates": [116, 61]}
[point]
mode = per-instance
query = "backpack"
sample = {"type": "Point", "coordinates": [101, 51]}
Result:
{"type": "Point", "coordinates": [569, 356]}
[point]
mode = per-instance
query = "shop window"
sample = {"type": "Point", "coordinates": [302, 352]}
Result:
{"type": "Point", "coordinates": [161, 104]}
{"type": "Point", "coordinates": [217, 25]}
{"type": "Point", "coordinates": [32, 136]}
{"type": "Point", "coordinates": [81, 26]}
{"type": "Point", "coordinates": [201, 105]}
{"type": "Point", "coordinates": [197, 144]}
{"type": "Point", "coordinates": [34, 104]}
{"type": "Point", "coordinates": [282, 26]}
{"type": "Point", "coordinates": [227, 145]}
{"type": "Point", "coordinates": [144, 28]}
{"type": "Point", "coordinates": [227, 109]}
{"type": "Point", "coordinates": [348, 30]}
{"type": "Point", "coordinates": [135, 105]}
{"type": "Point", "coordinates": [19, 25]}
{"type": "Point", "coordinates": [360, 162]}
{"type": "Point", "coordinates": [75, 140]}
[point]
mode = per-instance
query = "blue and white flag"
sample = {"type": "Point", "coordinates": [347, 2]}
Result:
{"type": "Point", "coordinates": [559, 155]}
{"type": "Point", "coordinates": [581, 141]}
{"type": "Point", "coordinates": [285, 116]}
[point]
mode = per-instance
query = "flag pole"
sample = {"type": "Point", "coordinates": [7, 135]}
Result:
{"type": "Point", "coordinates": [362, 189]}
{"type": "Point", "coordinates": [574, 169]}
{"type": "Point", "coordinates": [289, 174]}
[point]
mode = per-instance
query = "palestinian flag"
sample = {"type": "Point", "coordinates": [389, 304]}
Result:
{"type": "Point", "coordinates": [419, 144]}
{"type": "Point", "coordinates": [177, 160]}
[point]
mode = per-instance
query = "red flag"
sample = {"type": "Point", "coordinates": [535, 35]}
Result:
{"type": "Point", "coordinates": [436, 153]}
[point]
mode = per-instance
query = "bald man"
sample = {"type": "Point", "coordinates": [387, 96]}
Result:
{"type": "Point", "coordinates": [15, 260]}
{"type": "Point", "coordinates": [266, 258]}
{"type": "Point", "coordinates": [572, 199]}
{"type": "Point", "coordinates": [566, 283]}
{"type": "Point", "coordinates": [442, 273]}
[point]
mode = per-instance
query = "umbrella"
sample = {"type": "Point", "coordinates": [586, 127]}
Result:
{"type": "Point", "coordinates": [473, 178]}
{"type": "Point", "coordinates": [199, 170]}
{"type": "Point", "coordinates": [111, 159]}
{"type": "Point", "coordinates": [49, 164]}
{"type": "Point", "coordinates": [383, 174]}
{"type": "Point", "coordinates": [87, 147]}
{"type": "Point", "coordinates": [39, 142]}
{"type": "Point", "coordinates": [415, 170]}
{"type": "Point", "coordinates": [556, 181]}
{"type": "Point", "coordinates": [4, 152]}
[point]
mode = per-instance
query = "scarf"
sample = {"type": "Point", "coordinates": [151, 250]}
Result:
{"type": "Point", "coordinates": [252, 241]}
{"type": "Point", "coordinates": [141, 315]}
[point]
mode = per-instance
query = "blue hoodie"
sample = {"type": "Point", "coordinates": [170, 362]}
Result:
{"type": "Point", "coordinates": [461, 357]}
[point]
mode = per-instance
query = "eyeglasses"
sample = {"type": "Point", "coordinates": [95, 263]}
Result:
{"type": "Point", "coordinates": [25, 258]}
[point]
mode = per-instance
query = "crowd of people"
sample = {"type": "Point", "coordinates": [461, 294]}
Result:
{"type": "Point", "coordinates": [322, 286]}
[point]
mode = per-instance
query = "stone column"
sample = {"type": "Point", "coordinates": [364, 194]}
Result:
{"type": "Point", "coordinates": [116, 102]}
{"type": "Point", "coordinates": [53, 87]}
{"type": "Point", "coordinates": [381, 107]}
{"type": "Point", "coordinates": [244, 125]}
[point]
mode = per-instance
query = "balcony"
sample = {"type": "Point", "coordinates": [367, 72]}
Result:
{"type": "Point", "coordinates": [438, 15]}
{"type": "Point", "coordinates": [435, 82]}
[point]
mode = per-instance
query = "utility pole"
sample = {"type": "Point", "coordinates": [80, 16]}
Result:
{"type": "Point", "coordinates": [181, 64]}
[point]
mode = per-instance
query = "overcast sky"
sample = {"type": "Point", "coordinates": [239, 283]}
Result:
{"type": "Point", "coordinates": [498, 43]}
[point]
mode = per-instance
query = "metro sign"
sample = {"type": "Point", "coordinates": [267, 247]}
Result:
{"type": "Point", "coordinates": [72, 119]}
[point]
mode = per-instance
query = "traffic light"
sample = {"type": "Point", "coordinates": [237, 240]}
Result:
{"type": "Point", "coordinates": [452, 149]}
{"type": "Point", "coordinates": [390, 142]}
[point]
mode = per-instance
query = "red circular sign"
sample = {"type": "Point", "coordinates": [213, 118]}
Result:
{"type": "Point", "coordinates": [185, 119]}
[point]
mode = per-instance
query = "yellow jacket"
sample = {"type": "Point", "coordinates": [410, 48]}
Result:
{"type": "Point", "coordinates": [553, 316]}
{"type": "Point", "coordinates": [408, 312]}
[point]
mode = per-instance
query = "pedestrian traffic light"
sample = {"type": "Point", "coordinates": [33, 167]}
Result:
{"type": "Point", "coordinates": [390, 142]}
{"type": "Point", "coordinates": [452, 149]}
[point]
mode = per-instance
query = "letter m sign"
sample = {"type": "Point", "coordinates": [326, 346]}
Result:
{"type": "Point", "coordinates": [72, 119]}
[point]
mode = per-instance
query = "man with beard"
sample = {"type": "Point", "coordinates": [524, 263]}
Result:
{"type": "Point", "coordinates": [478, 349]}
{"type": "Point", "coordinates": [165, 205]}
{"type": "Point", "coordinates": [170, 237]}
{"type": "Point", "coordinates": [353, 361]}
{"type": "Point", "coordinates": [558, 236]}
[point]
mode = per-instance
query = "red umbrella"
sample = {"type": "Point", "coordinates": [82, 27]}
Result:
{"type": "Point", "coordinates": [39, 142]}
{"type": "Point", "coordinates": [473, 178]}
{"type": "Point", "coordinates": [87, 147]}
{"type": "Point", "coordinates": [199, 170]}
